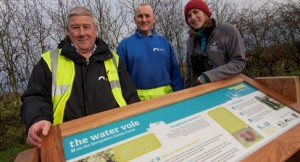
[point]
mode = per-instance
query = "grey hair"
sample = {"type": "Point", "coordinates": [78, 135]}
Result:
{"type": "Point", "coordinates": [142, 4]}
{"type": "Point", "coordinates": [81, 11]}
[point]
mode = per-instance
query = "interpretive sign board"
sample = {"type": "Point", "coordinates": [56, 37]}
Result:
{"type": "Point", "coordinates": [224, 121]}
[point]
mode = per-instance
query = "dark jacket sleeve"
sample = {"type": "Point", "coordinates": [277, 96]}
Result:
{"type": "Point", "coordinates": [189, 73]}
{"type": "Point", "coordinates": [128, 88]}
{"type": "Point", "coordinates": [36, 100]}
{"type": "Point", "coordinates": [235, 54]}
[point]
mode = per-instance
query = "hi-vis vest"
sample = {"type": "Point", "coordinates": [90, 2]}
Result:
{"type": "Point", "coordinates": [63, 73]}
{"type": "Point", "coordinates": [147, 94]}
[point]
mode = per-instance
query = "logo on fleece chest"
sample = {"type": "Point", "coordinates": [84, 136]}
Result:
{"type": "Point", "coordinates": [214, 46]}
{"type": "Point", "coordinates": [157, 49]}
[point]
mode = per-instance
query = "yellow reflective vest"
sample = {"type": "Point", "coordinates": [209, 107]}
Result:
{"type": "Point", "coordinates": [63, 73]}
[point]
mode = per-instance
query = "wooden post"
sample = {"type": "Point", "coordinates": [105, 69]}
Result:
{"type": "Point", "coordinates": [52, 149]}
{"type": "Point", "coordinates": [30, 155]}
{"type": "Point", "coordinates": [288, 86]}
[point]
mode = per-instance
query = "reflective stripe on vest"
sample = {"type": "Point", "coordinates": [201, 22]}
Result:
{"type": "Point", "coordinates": [146, 94]}
{"type": "Point", "coordinates": [62, 81]}
{"type": "Point", "coordinates": [63, 73]}
{"type": "Point", "coordinates": [111, 67]}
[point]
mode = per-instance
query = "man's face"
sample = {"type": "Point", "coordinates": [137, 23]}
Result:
{"type": "Point", "coordinates": [144, 19]}
{"type": "Point", "coordinates": [83, 32]}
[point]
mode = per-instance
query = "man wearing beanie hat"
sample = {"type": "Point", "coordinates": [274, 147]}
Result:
{"type": "Point", "coordinates": [215, 50]}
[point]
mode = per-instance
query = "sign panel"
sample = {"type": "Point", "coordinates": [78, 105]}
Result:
{"type": "Point", "coordinates": [227, 124]}
{"type": "Point", "coordinates": [223, 121]}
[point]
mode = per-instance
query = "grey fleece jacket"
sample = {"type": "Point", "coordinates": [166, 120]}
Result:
{"type": "Point", "coordinates": [225, 53]}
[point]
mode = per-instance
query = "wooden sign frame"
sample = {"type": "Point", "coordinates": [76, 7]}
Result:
{"type": "Point", "coordinates": [280, 149]}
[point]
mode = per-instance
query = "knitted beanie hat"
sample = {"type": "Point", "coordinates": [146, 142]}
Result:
{"type": "Point", "coordinates": [196, 4]}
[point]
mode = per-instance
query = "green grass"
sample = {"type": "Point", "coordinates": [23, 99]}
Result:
{"type": "Point", "coordinates": [294, 73]}
{"type": "Point", "coordinates": [9, 155]}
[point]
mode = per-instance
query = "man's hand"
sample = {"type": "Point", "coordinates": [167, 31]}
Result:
{"type": "Point", "coordinates": [33, 138]}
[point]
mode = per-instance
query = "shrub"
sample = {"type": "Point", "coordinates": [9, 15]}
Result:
{"type": "Point", "coordinates": [12, 131]}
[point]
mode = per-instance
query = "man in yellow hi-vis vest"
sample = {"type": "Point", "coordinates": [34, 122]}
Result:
{"type": "Point", "coordinates": [80, 78]}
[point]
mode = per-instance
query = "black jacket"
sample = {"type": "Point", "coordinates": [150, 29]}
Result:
{"type": "Point", "coordinates": [90, 94]}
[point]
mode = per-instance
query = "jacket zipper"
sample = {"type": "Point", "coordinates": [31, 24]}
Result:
{"type": "Point", "coordinates": [87, 61]}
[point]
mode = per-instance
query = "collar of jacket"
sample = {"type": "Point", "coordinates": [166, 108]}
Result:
{"type": "Point", "coordinates": [140, 35]}
{"type": "Point", "coordinates": [193, 33]}
{"type": "Point", "coordinates": [102, 52]}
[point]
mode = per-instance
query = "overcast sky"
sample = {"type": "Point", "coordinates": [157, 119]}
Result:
{"type": "Point", "coordinates": [243, 2]}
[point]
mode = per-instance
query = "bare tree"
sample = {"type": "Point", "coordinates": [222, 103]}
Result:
{"type": "Point", "coordinates": [31, 34]}
{"type": "Point", "coordinates": [6, 48]}
{"type": "Point", "coordinates": [171, 24]}
{"type": "Point", "coordinates": [57, 13]}
{"type": "Point", "coordinates": [29, 28]}
{"type": "Point", "coordinates": [255, 25]}
{"type": "Point", "coordinates": [287, 22]}
{"type": "Point", "coordinates": [223, 11]}
{"type": "Point", "coordinates": [9, 46]}
{"type": "Point", "coordinates": [271, 36]}
{"type": "Point", "coordinates": [112, 21]}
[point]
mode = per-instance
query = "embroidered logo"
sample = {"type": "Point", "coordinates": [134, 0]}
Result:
{"type": "Point", "coordinates": [158, 49]}
{"type": "Point", "coordinates": [214, 46]}
{"type": "Point", "coordinates": [102, 78]}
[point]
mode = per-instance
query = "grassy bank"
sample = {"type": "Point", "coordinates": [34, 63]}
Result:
{"type": "Point", "coordinates": [9, 155]}
{"type": "Point", "coordinates": [12, 130]}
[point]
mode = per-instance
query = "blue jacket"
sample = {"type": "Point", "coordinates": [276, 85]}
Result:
{"type": "Point", "coordinates": [150, 61]}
